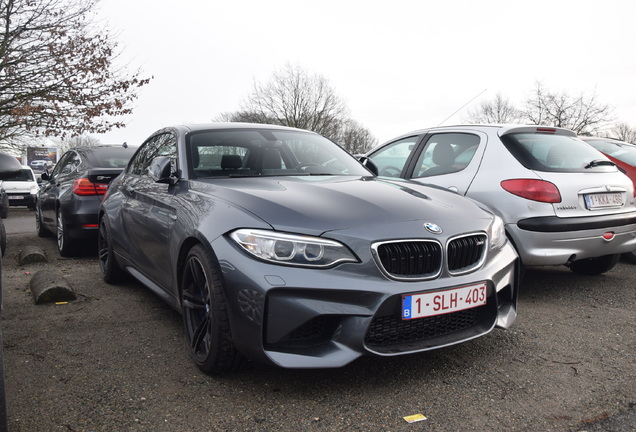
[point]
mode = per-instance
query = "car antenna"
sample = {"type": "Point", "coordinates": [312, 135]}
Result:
{"type": "Point", "coordinates": [125, 144]}
{"type": "Point", "coordinates": [461, 107]}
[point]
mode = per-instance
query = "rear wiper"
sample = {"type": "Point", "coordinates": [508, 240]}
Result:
{"type": "Point", "coordinates": [599, 162]}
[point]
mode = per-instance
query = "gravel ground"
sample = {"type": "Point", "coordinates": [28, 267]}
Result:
{"type": "Point", "coordinates": [115, 360]}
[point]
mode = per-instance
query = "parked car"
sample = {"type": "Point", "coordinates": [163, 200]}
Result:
{"type": "Point", "coordinates": [278, 246]}
{"type": "Point", "coordinates": [562, 201]}
{"type": "Point", "coordinates": [69, 197]}
{"type": "Point", "coordinates": [22, 188]}
{"type": "Point", "coordinates": [9, 167]}
{"type": "Point", "coordinates": [623, 154]}
{"type": "Point", "coordinates": [40, 164]}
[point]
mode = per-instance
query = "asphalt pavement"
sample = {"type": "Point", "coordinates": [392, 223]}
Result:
{"type": "Point", "coordinates": [115, 360]}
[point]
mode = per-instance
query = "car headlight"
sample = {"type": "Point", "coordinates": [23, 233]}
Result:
{"type": "Point", "coordinates": [292, 249]}
{"type": "Point", "coordinates": [497, 233]}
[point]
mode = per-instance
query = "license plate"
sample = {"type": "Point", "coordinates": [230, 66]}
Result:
{"type": "Point", "coordinates": [443, 302]}
{"type": "Point", "coordinates": [614, 199]}
{"type": "Point", "coordinates": [16, 197]}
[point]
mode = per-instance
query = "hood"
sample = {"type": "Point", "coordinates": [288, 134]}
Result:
{"type": "Point", "coordinates": [321, 204]}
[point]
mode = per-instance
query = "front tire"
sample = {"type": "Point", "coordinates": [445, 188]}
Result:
{"type": "Point", "coordinates": [205, 317]}
{"type": "Point", "coordinates": [65, 244]}
{"type": "Point", "coordinates": [595, 266]}
{"type": "Point", "coordinates": [111, 271]}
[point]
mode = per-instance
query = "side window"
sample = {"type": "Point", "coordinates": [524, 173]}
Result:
{"type": "Point", "coordinates": [391, 159]}
{"type": "Point", "coordinates": [67, 164]}
{"type": "Point", "coordinates": [160, 145]}
{"type": "Point", "coordinates": [446, 153]}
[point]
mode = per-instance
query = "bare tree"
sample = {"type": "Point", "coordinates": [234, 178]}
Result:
{"type": "Point", "coordinates": [80, 140]}
{"type": "Point", "coordinates": [246, 117]}
{"type": "Point", "coordinates": [355, 138]}
{"type": "Point", "coordinates": [583, 114]}
{"type": "Point", "coordinates": [623, 132]}
{"type": "Point", "coordinates": [295, 98]}
{"type": "Point", "coordinates": [57, 76]}
{"type": "Point", "coordinates": [498, 111]}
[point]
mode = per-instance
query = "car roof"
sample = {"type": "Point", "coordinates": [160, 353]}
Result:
{"type": "Point", "coordinates": [231, 125]}
{"type": "Point", "coordinates": [502, 129]}
{"type": "Point", "coordinates": [611, 140]}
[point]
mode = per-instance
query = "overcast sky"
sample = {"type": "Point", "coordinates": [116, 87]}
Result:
{"type": "Point", "coordinates": [399, 65]}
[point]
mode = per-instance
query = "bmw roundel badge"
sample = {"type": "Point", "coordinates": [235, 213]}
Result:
{"type": "Point", "coordinates": [432, 228]}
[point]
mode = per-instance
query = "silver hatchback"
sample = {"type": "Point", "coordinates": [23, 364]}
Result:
{"type": "Point", "coordinates": [562, 201]}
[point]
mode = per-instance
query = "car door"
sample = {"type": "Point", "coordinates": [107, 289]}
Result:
{"type": "Point", "coordinates": [449, 159]}
{"type": "Point", "coordinates": [56, 185]}
{"type": "Point", "coordinates": [392, 159]}
{"type": "Point", "coordinates": [148, 213]}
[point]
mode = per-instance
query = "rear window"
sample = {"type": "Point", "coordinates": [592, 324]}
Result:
{"type": "Point", "coordinates": [105, 157]}
{"type": "Point", "coordinates": [554, 153]}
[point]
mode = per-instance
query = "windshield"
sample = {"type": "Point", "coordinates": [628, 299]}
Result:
{"type": "Point", "coordinates": [267, 152]}
{"type": "Point", "coordinates": [23, 175]}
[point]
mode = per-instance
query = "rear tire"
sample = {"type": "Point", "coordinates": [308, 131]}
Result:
{"type": "Point", "coordinates": [65, 245]}
{"type": "Point", "coordinates": [630, 256]}
{"type": "Point", "coordinates": [111, 271]}
{"type": "Point", "coordinates": [39, 228]}
{"type": "Point", "coordinates": [205, 317]}
{"type": "Point", "coordinates": [595, 266]}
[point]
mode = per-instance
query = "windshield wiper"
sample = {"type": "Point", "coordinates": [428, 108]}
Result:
{"type": "Point", "coordinates": [599, 162]}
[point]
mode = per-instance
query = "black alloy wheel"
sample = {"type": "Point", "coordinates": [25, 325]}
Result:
{"type": "Point", "coordinates": [64, 243]}
{"type": "Point", "coordinates": [205, 317]}
{"type": "Point", "coordinates": [111, 271]}
{"type": "Point", "coordinates": [39, 228]}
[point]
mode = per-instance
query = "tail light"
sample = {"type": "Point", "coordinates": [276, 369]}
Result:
{"type": "Point", "coordinates": [535, 190]}
{"type": "Point", "coordinates": [85, 187]}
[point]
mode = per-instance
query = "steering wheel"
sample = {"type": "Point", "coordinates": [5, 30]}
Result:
{"type": "Point", "coordinates": [390, 171]}
{"type": "Point", "coordinates": [302, 166]}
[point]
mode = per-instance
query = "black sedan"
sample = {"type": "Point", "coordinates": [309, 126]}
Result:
{"type": "Point", "coordinates": [278, 246]}
{"type": "Point", "coordinates": [69, 197]}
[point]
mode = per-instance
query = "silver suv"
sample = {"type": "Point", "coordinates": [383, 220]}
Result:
{"type": "Point", "coordinates": [562, 201]}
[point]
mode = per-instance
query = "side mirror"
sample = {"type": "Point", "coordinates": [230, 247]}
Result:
{"type": "Point", "coordinates": [160, 170]}
{"type": "Point", "coordinates": [45, 177]}
{"type": "Point", "coordinates": [369, 164]}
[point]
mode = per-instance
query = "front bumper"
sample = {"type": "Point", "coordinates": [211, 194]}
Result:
{"type": "Point", "coordinates": [21, 199]}
{"type": "Point", "coordinates": [304, 318]}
